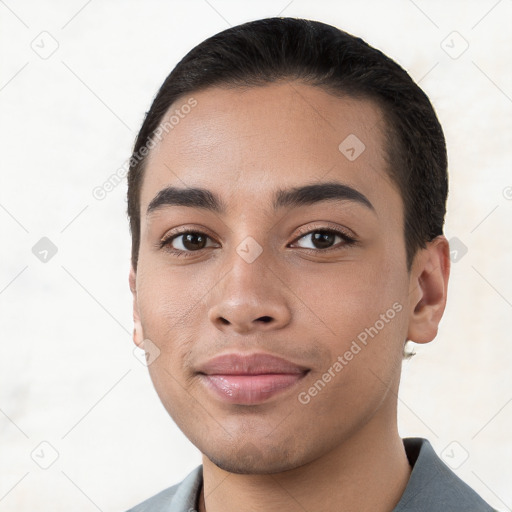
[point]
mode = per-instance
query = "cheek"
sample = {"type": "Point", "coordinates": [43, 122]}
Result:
{"type": "Point", "coordinates": [349, 298]}
{"type": "Point", "coordinates": [358, 313]}
{"type": "Point", "coordinates": [169, 319]}
{"type": "Point", "coordinates": [168, 298]}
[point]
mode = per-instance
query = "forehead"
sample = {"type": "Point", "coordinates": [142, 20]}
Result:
{"type": "Point", "coordinates": [243, 142]}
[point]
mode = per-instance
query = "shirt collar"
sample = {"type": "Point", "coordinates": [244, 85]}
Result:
{"type": "Point", "coordinates": [433, 485]}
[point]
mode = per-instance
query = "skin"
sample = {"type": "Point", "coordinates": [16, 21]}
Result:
{"type": "Point", "coordinates": [342, 450]}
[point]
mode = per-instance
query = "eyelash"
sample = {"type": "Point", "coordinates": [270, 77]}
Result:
{"type": "Point", "coordinates": [165, 243]}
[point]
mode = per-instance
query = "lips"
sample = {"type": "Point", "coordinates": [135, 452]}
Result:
{"type": "Point", "coordinates": [249, 379]}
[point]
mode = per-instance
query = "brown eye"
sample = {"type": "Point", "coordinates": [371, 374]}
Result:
{"type": "Point", "coordinates": [193, 241]}
{"type": "Point", "coordinates": [186, 242]}
{"type": "Point", "coordinates": [324, 239]}
{"type": "Point", "coordinates": [321, 239]}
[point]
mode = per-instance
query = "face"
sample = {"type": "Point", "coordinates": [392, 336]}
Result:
{"type": "Point", "coordinates": [316, 277]}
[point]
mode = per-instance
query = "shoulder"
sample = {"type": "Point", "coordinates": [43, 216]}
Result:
{"type": "Point", "coordinates": [433, 485]}
{"type": "Point", "coordinates": [181, 496]}
{"type": "Point", "coordinates": [161, 501]}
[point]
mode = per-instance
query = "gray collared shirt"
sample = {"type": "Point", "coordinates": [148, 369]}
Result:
{"type": "Point", "coordinates": [432, 487]}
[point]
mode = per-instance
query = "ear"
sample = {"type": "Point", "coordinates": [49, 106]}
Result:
{"type": "Point", "coordinates": [428, 290]}
{"type": "Point", "coordinates": [138, 335]}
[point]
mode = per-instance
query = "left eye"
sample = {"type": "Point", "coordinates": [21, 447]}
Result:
{"type": "Point", "coordinates": [323, 239]}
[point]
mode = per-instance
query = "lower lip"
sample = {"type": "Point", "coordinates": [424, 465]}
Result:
{"type": "Point", "coordinates": [250, 389]}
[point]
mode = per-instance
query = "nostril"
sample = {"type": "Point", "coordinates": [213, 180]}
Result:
{"type": "Point", "coordinates": [265, 319]}
{"type": "Point", "coordinates": [224, 321]}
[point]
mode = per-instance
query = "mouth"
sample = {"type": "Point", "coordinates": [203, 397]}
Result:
{"type": "Point", "coordinates": [249, 379]}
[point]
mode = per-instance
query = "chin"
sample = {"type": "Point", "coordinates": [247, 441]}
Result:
{"type": "Point", "coordinates": [251, 460]}
{"type": "Point", "coordinates": [249, 466]}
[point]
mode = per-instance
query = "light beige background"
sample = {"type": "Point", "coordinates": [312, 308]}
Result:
{"type": "Point", "coordinates": [69, 377]}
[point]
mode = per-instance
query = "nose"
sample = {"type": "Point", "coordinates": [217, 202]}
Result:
{"type": "Point", "coordinates": [250, 298]}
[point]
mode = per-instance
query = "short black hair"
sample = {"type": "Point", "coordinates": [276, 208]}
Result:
{"type": "Point", "coordinates": [268, 50]}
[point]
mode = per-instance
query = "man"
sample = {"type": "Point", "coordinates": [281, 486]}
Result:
{"type": "Point", "coordinates": [286, 198]}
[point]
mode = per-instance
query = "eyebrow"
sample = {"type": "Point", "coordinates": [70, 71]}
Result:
{"type": "Point", "coordinates": [311, 194]}
{"type": "Point", "coordinates": [289, 198]}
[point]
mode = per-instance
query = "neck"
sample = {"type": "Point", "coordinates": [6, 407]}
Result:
{"type": "Point", "coordinates": [367, 472]}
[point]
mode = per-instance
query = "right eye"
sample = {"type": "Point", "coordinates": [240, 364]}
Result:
{"type": "Point", "coordinates": [186, 242]}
